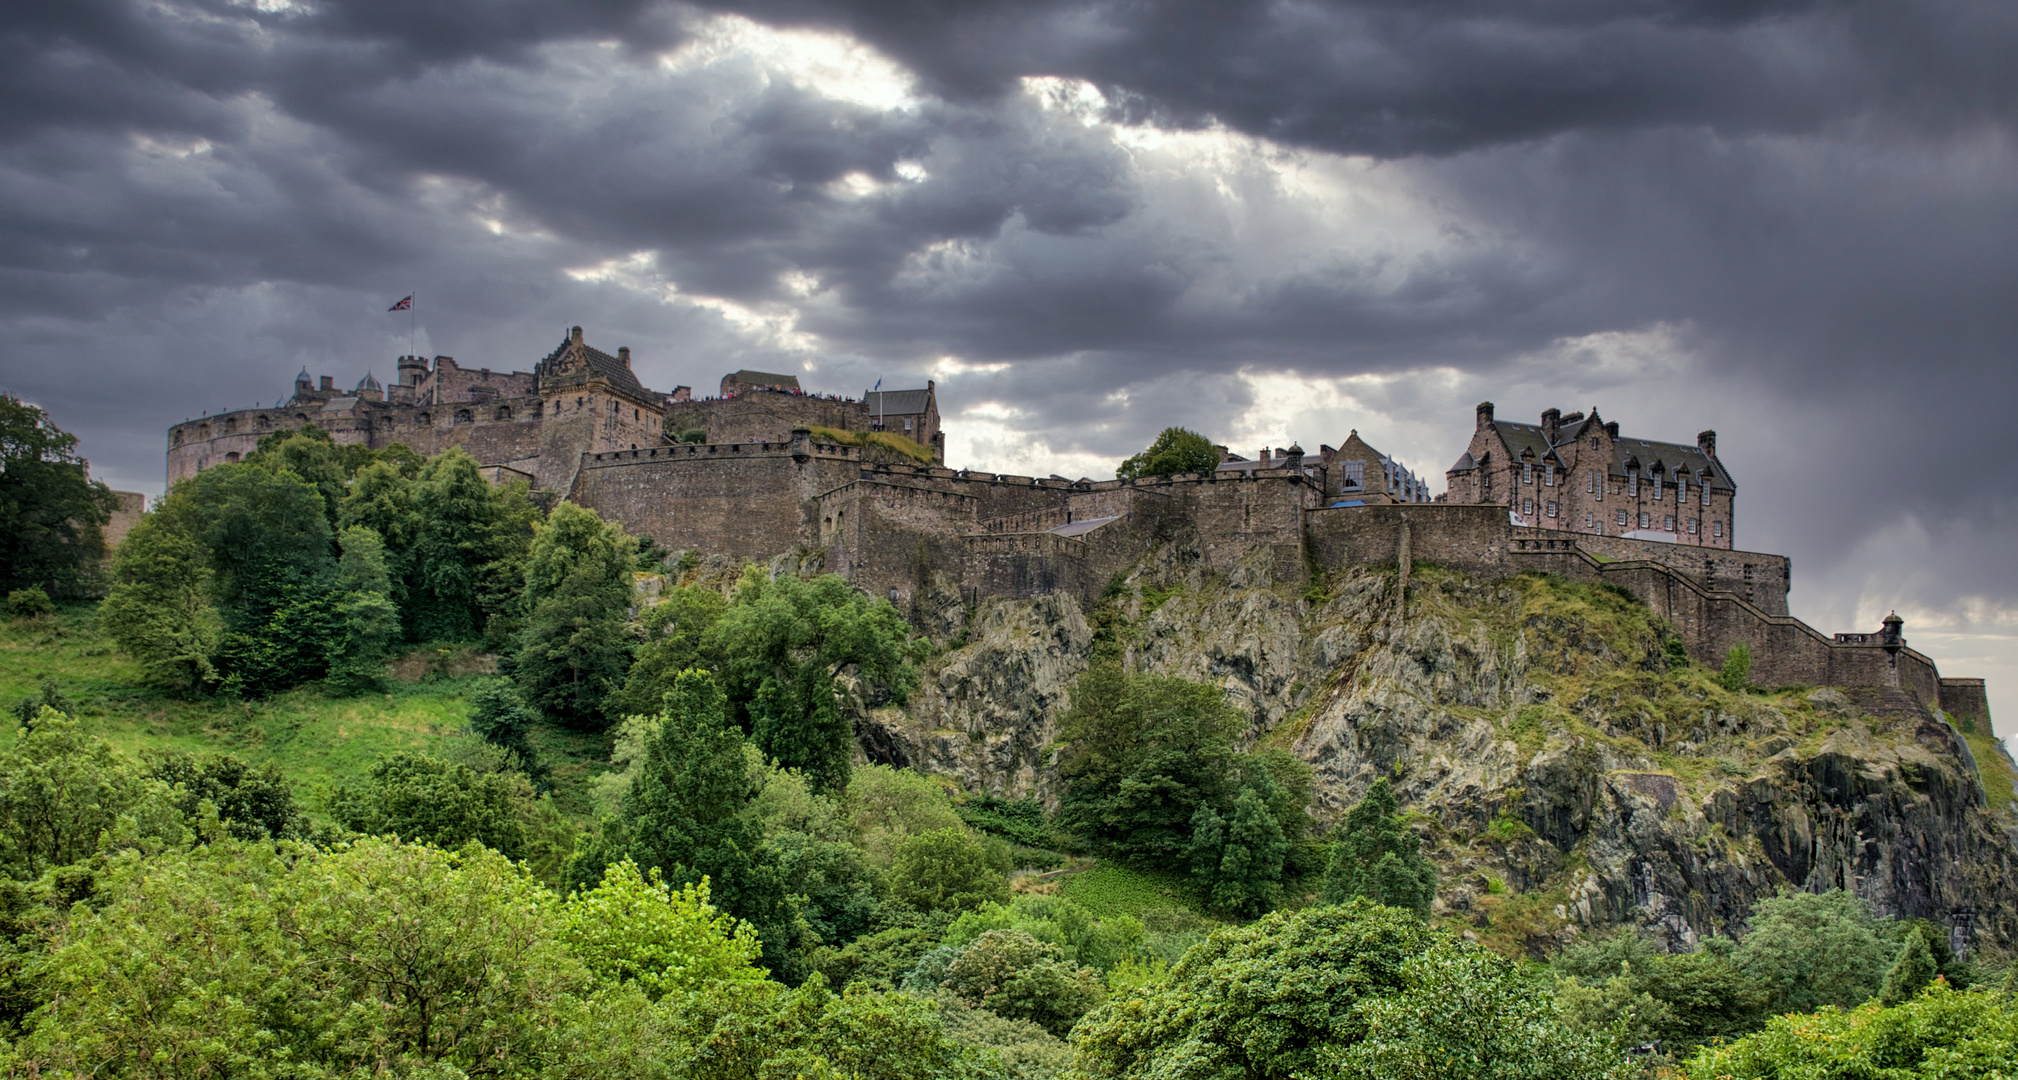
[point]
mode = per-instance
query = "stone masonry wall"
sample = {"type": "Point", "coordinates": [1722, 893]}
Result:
{"type": "Point", "coordinates": [746, 499]}
{"type": "Point", "coordinates": [1763, 579]}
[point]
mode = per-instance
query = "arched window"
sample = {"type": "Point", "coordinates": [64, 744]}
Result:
{"type": "Point", "coordinates": [301, 417]}
{"type": "Point", "coordinates": [231, 457]}
{"type": "Point", "coordinates": [424, 419]}
{"type": "Point", "coordinates": [504, 412]}
{"type": "Point", "coordinates": [463, 416]}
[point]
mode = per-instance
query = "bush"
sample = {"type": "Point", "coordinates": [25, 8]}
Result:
{"type": "Point", "coordinates": [1940, 1033]}
{"type": "Point", "coordinates": [29, 603]}
{"type": "Point", "coordinates": [948, 870]}
{"type": "Point", "coordinates": [1012, 974]}
{"type": "Point", "coordinates": [1737, 673]}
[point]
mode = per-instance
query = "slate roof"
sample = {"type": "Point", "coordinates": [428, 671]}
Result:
{"type": "Point", "coordinates": [369, 383]}
{"type": "Point", "coordinates": [600, 363]}
{"type": "Point", "coordinates": [1464, 464]}
{"type": "Point", "coordinates": [1646, 453]}
{"type": "Point", "coordinates": [897, 402]}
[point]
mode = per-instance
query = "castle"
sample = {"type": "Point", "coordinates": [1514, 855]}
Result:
{"type": "Point", "coordinates": [764, 468]}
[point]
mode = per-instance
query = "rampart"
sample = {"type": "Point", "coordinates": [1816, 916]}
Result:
{"type": "Point", "coordinates": [746, 499]}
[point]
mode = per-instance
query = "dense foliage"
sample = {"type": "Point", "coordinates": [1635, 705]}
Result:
{"type": "Point", "coordinates": [50, 508]}
{"type": "Point", "coordinates": [1176, 450]}
{"type": "Point", "coordinates": [1151, 775]}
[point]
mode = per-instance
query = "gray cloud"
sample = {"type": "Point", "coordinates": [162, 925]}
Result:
{"type": "Point", "coordinates": [1808, 205]}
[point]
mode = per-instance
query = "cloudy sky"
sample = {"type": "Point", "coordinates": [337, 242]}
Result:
{"type": "Point", "coordinates": [1791, 222]}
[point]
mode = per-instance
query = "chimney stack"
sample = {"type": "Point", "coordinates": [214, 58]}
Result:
{"type": "Point", "coordinates": [1707, 441]}
{"type": "Point", "coordinates": [1552, 422]}
{"type": "Point", "coordinates": [1484, 413]}
{"type": "Point", "coordinates": [624, 354]}
{"type": "Point", "coordinates": [575, 335]}
{"type": "Point", "coordinates": [328, 383]}
{"type": "Point", "coordinates": [1265, 459]}
{"type": "Point", "coordinates": [1612, 429]}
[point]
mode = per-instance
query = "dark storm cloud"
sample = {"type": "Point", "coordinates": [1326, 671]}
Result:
{"type": "Point", "coordinates": [1813, 200]}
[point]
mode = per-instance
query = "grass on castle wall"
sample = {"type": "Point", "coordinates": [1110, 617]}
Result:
{"type": "Point", "coordinates": [319, 742]}
{"type": "Point", "coordinates": [888, 440]}
{"type": "Point", "coordinates": [1999, 774]}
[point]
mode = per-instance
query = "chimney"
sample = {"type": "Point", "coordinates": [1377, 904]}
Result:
{"type": "Point", "coordinates": [1612, 429]}
{"type": "Point", "coordinates": [1552, 422]}
{"type": "Point", "coordinates": [1225, 454]}
{"type": "Point", "coordinates": [328, 383]}
{"type": "Point", "coordinates": [575, 335]}
{"type": "Point", "coordinates": [1484, 413]}
{"type": "Point", "coordinates": [1707, 441]}
{"type": "Point", "coordinates": [1264, 458]}
{"type": "Point", "coordinates": [624, 354]}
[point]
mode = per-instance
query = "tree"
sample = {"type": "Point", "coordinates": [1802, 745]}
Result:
{"type": "Point", "coordinates": [679, 634]}
{"type": "Point", "coordinates": [783, 644]}
{"type": "Point", "coordinates": [367, 621]}
{"type": "Point", "coordinates": [1815, 949]}
{"type": "Point", "coordinates": [1241, 860]}
{"type": "Point", "coordinates": [948, 870]}
{"type": "Point", "coordinates": [688, 815]}
{"type": "Point", "coordinates": [376, 957]}
{"type": "Point", "coordinates": [61, 791]}
{"type": "Point", "coordinates": [50, 508]}
{"type": "Point", "coordinates": [1939, 1033]}
{"type": "Point", "coordinates": [159, 611]}
{"type": "Point", "coordinates": [1681, 1000]}
{"type": "Point", "coordinates": [1266, 1001]}
{"type": "Point", "coordinates": [498, 716]}
{"type": "Point", "coordinates": [1912, 969]}
{"type": "Point", "coordinates": [262, 531]}
{"type": "Point", "coordinates": [1012, 974]}
{"type": "Point", "coordinates": [1377, 856]}
{"type": "Point", "coordinates": [1463, 1013]}
{"type": "Point", "coordinates": [1140, 755]}
{"type": "Point", "coordinates": [423, 799]}
{"type": "Point", "coordinates": [469, 552]}
{"type": "Point", "coordinates": [381, 498]}
{"type": "Point", "coordinates": [666, 940]}
{"type": "Point", "coordinates": [1176, 450]}
{"type": "Point", "coordinates": [254, 803]}
{"type": "Point", "coordinates": [309, 453]}
{"type": "Point", "coordinates": [574, 650]}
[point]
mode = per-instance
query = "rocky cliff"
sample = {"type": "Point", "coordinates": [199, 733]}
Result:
{"type": "Point", "coordinates": [1566, 765]}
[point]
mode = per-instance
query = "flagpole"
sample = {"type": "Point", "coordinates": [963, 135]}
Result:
{"type": "Point", "coordinates": [413, 324]}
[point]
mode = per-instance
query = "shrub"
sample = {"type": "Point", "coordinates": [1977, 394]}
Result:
{"type": "Point", "coordinates": [29, 603]}
{"type": "Point", "coordinates": [1737, 672]}
{"type": "Point", "coordinates": [948, 870]}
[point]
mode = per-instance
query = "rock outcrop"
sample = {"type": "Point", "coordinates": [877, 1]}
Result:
{"type": "Point", "coordinates": [1568, 767]}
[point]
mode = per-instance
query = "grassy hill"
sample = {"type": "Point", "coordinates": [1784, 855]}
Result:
{"type": "Point", "coordinates": [317, 740]}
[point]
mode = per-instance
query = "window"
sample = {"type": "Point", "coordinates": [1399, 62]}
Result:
{"type": "Point", "coordinates": [635, 416]}
{"type": "Point", "coordinates": [1655, 483]}
{"type": "Point", "coordinates": [1548, 474]}
{"type": "Point", "coordinates": [1527, 472]}
{"type": "Point", "coordinates": [1644, 520]}
{"type": "Point", "coordinates": [1551, 508]}
{"type": "Point", "coordinates": [1594, 442]}
{"type": "Point", "coordinates": [1622, 517]}
{"type": "Point", "coordinates": [1591, 483]}
{"type": "Point", "coordinates": [1695, 526]}
{"type": "Point", "coordinates": [1717, 528]}
{"type": "Point", "coordinates": [504, 412]}
{"type": "Point", "coordinates": [1705, 485]}
{"type": "Point", "coordinates": [1668, 523]}
{"type": "Point", "coordinates": [424, 419]}
{"type": "Point", "coordinates": [1681, 490]}
{"type": "Point", "coordinates": [1590, 520]}
{"type": "Point", "coordinates": [1633, 482]}
{"type": "Point", "coordinates": [1352, 473]}
{"type": "Point", "coordinates": [233, 456]}
{"type": "Point", "coordinates": [1527, 507]}
{"type": "Point", "coordinates": [462, 416]}
{"type": "Point", "coordinates": [907, 425]}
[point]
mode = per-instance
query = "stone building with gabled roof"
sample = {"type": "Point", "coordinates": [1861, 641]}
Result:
{"type": "Point", "coordinates": [1576, 473]}
{"type": "Point", "coordinates": [913, 414]}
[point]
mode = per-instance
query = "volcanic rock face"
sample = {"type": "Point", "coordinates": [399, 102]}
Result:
{"type": "Point", "coordinates": [1566, 767]}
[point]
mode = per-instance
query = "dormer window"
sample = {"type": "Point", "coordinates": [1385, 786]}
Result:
{"type": "Point", "coordinates": [1681, 489]}
{"type": "Point", "coordinates": [1548, 474]}
{"type": "Point", "coordinates": [1633, 482]}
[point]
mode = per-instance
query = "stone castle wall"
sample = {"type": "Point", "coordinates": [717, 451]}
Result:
{"type": "Point", "coordinates": [751, 500]}
{"type": "Point", "coordinates": [761, 416]}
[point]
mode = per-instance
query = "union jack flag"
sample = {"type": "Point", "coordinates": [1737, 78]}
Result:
{"type": "Point", "coordinates": [403, 305]}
